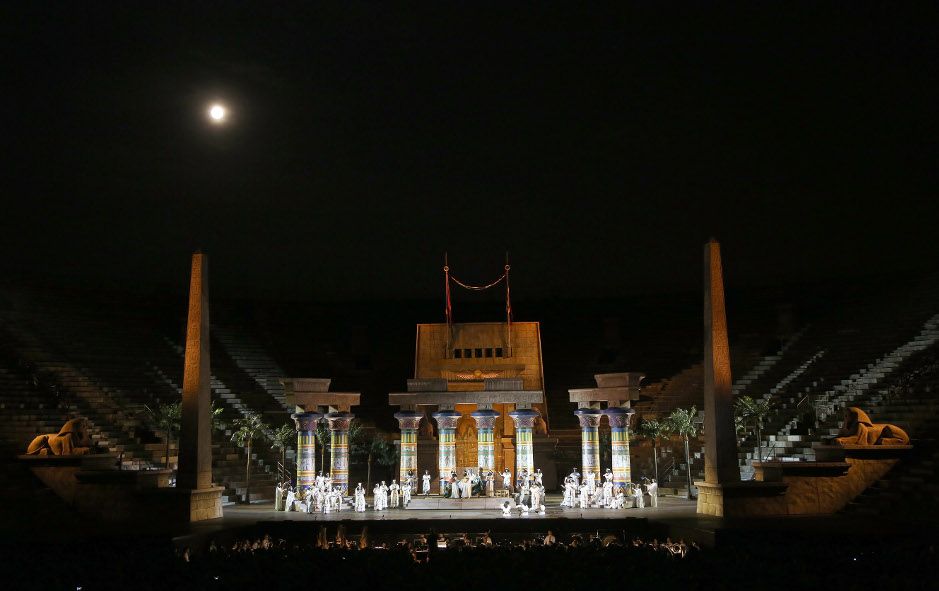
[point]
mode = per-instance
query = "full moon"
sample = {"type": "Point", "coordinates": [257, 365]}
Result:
{"type": "Point", "coordinates": [217, 113]}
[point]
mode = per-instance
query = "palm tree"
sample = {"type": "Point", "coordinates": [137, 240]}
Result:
{"type": "Point", "coordinates": [378, 449]}
{"type": "Point", "coordinates": [682, 422]}
{"type": "Point", "coordinates": [654, 431]}
{"type": "Point", "coordinates": [322, 439]}
{"type": "Point", "coordinates": [281, 438]}
{"type": "Point", "coordinates": [217, 416]}
{"type": "Point", "coordinates": [756, 410]}
{"type": "Point", "coordinates": [167, 417]}
{"type": "Point", "coordinates": [247, 429]}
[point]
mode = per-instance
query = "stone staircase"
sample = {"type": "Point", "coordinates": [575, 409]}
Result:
{"type": "Point", "coordinates": [254, 360]}
{"type": "Point", "coordinates": [860, 387]}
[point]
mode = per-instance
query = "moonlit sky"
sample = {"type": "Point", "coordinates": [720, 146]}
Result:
{"type": "Point", "coordinates": [601, 148]}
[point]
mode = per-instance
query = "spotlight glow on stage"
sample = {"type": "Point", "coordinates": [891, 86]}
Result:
{"type": "Point", "coordinates": [217, 113]}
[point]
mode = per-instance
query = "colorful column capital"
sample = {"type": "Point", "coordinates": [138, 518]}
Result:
{"type": "Point", "coordinates": [339, 421]}
{"type": "Point", "coordinates": [619, 417]}
{"type": "Point", "coordinates": [408, 419]}
{"type": "Point", "coordinates": [524, 417]}
{"type": "Point", "coordinates": [306, 421]}
{"type": "Point", "coordinates": [589, 417]}
{"type": "Point", "coordinates": [485, 418]}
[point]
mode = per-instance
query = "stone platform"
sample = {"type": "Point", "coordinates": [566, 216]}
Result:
{"type": "Point", "coordinates": [472, 504]}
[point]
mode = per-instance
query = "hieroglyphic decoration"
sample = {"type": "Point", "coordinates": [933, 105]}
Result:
{"type": "Point", "coordinates": [446, 441]}
{"type": "Point", "coordinates": [485, 421]}
{"type": "Point", "coordinates": [410, 422]}
{"type": "Point", "coordinates": [339, 448]}
{"type": "Point", "coordinates": [306, 447]}
{"type": "Point", "coordinates": [524, 450]}
{"type": "Point", "coordinates": [589, 441]}
{"type": "Point", "coordinates": [619, 435]}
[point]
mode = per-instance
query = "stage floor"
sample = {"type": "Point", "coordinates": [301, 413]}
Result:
{"type": "Point", "coordinates": [668, 506]}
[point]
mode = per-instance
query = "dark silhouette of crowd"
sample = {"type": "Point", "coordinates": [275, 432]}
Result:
{"type": "Point", "coordinates": [615, 561]}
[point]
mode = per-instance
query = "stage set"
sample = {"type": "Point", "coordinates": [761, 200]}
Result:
{"type": "Point", "coordinates": [474, 429]}
{"type": "Point", "coordinates": [475, 441]}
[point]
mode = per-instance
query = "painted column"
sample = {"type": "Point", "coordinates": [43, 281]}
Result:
{"type": "Point", "coordinates": [589, 441]}
{"type": "Point", "coordinates": [485, 443]}
{"type": "Point", "coordinates": [409, 421]}
{"type": "Point", "coordinates": [619, 435]}
{"type": "Point", "coordinates": [524, 452]}
{"type": "Point", "coordinates": [306, 447]}
{"type": "Point", "coordinates": [446, 443]}
{"type": "Point", "coordinates": [339, 448]}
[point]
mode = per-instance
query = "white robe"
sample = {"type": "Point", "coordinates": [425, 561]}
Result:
{"type": "Point", "coordinates": [291, 497]}
{"type": "Point", "coordinates": [426, 486]}
{"type": "Point", "coordinates": [607, 493]}
{"type": "Point", "coordinates": [406, 496]}
{"type": "Point", "coordinates": [654, 494]}
{"type": "Point", "coordinates": [278, 498]}
{"type": "Point", "coordinates": [394, 495]}
{"type": "Point", "coordinates": [507, 480]}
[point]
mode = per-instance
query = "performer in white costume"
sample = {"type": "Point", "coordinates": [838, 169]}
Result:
{"type": "Point", "coordinates": [653, 493]}
{"type": "Point", "coordinates": [619, 501]}
{"type": "Point", "coordinates": [466, 488]}
{"type": "Point", "coordinates": [376, 498]}
{"type": "Point", "coordinates": [575, 476]}
{"type": "Point", "coordinates": [406, 495]}
{"type": "Point", "coordinates": [359, 498]}
{"type": "Point", "coordinates": [537, 495]}
{"type": "Point", "coordinates": [278, 498]}
{"type": "Point", "coordinates": [608, 476]}
{"type": "Point", "coordinates": [490, 484]}
{"type": "Point", "coordinates": [291, 497]}
{"type": "Point", "coordinates": [638, 497]}
{"type": "Point", "coordinates": [506, 509]}
{"type": "Point", "coordinates": [507, 479]}
{"type": "Point", "coordinates": [425, 487]}
{"type": "Point", "coordinates": [568, 500]}
{"type": "Point", "coordinates": [584, 496]}
{"type": "Point", "coordinates": [384, 495]}
{"type": "Point", "coordinates": [539, 477]}
{"type": "Point", "coordinates": [591, 482]}
{"type": "Point", "coordinates": [607, 493]}
{"type": "Point", "coordinates": [395, 494]}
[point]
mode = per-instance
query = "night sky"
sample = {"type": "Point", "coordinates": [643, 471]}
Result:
{"type": "Point", "coordinates": [601, 148]}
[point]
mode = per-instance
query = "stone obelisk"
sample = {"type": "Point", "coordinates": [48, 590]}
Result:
{"type": "Point", "coordinates": [720, 452]}
{"type": "Point", "coordinates": [194, 477]}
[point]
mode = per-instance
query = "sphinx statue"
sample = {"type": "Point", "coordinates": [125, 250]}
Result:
{"type": "Point", "coordinates": [72, 439]}
{"type": "Point", "coordinates": [858, 429]}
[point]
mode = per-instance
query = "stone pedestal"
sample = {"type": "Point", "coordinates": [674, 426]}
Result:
{"type": "Point", "coordinates": [741, 499]}
{"type": "Point", "coordinates": [199, 504]}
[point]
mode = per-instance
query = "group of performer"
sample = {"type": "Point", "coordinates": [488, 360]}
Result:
{"type": "Point", "coordinates": [322, 497]}
{"type": "Point", "coordinates": [590, 494]}
{"type": "Point", "coordinates": [528, 492]}
{"type": "Point", "coordinates": [385, 496]}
